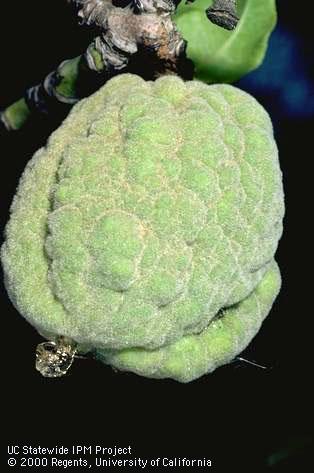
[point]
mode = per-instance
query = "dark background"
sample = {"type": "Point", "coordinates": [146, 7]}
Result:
{"type": "Point", "coordinates": [240, 415]}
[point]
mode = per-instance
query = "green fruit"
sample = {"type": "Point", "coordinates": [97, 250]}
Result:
{"type": "Point", "coordinates": [145, 230]}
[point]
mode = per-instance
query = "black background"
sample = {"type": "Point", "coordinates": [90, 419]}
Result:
{"type": "Point", "coordinates": [237, 416]}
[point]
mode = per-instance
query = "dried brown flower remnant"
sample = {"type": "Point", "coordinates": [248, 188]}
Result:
{"type": "Point", "coordinates": [223, 13]}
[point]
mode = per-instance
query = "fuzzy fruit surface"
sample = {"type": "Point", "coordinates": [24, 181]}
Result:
{"type": "Point", "coordinates": [146, 229]}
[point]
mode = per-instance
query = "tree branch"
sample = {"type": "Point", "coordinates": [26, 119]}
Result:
{"type": "Point", "coordinates": [127, 30]}
{"type": "Point", "coordinates": [144, 26]}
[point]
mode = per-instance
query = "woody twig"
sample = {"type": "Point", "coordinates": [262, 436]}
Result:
{"type": "Point", "coordinates": [139, 29]}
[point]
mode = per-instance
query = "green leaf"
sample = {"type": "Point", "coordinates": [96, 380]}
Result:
{"type": "Point", "coordinates": [225, 56]}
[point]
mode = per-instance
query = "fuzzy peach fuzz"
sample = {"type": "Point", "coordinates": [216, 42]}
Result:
{"type": "Point", "coordinates": [146, 229]}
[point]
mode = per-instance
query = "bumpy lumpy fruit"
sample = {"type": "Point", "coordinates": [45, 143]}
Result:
{"type": "Point", "coordinates": [146, 229]}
